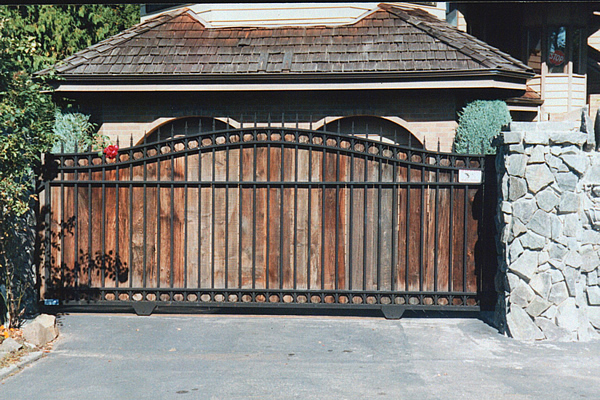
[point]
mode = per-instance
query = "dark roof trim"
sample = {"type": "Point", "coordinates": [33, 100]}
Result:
{"type": "Point", "coordinates": [338, 77]}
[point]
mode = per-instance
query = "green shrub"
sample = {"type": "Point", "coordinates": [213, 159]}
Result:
{"type": "Point", "coordinates": [74, 131]}
{"type": "Point", "coordinates": [478, 123]}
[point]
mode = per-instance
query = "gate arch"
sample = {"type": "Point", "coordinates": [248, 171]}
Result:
{"type": "Point", "coordinates": [378, 128]}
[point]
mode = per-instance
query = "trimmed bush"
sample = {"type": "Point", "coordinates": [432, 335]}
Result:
{"type": "Point", "coordinates": [478, 123]}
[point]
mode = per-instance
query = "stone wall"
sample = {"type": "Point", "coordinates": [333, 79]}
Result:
{"type": "Point", "coordinates": [549, 232]}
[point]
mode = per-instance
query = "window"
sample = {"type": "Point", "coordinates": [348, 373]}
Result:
{"type": "Point", "coordinates": [556, 56]}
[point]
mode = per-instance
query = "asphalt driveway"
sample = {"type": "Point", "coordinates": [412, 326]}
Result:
{"type": "Point", "coordinates": [282, 357]}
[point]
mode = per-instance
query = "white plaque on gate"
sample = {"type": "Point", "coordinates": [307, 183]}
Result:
{"type": "Point", "coordinates": [469, 176]}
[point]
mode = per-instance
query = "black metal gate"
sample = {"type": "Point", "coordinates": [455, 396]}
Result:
{"type": "Point", "coordinates": [265, 216]}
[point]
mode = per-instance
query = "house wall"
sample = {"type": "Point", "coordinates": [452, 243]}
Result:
{"type": "Point", "coordinates": [428, 115]}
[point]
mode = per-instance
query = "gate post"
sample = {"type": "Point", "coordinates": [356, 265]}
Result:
{"type": "Point", "coordinates": [548, 236]}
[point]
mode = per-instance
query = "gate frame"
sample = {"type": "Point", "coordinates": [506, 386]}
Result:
{"type": "Point", "coordinates": [391, 303]}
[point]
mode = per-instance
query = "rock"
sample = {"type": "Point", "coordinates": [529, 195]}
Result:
{"type": "Point", "coordinates": [557, 251]}
{"type": "Point", "coordinates": [538, 177]}
{"type": "Point", "coordinates": [555, 162]}
{"type": "Point", "coordinates": [514, 250]}
{"type": "Point", "coordinates": [537, 306]}
{"type": "Point", "coordinates": [556, 275]}
{"type": "Point", "coordinates": [41, 330]}
{"type": "Point", "coordinates": [590, 237]}
{"type": "Point", "coordinates": [576, 162]}
{"type": "Point", "coordinates": [521, 326]}
{"type": "Point", "coordinates": [550, 313]}
{"type": "Point", "coordinates": [533, 241]}
{"type": "Point", "coordinates": [537, 155]}
{"type": "Point", "coordinates": [567, 181]}
{"type": "Point", "coordinates": [587, 126]}
{"type": "Point", "coordinates": [570, 278]}
{"type": "Point", "coordinates": [543, 258]}
{"type": "Point", "coordinates": [580, 297]}
{"type": "Point", "coordinates": [593, 294]}
{"type": "Point", "coordinates": [541, 223]}
{"type": "Point", "coordinates": [524, 208]}
{"type": "Point", "coordinates": [592, 279]}
{"type": "Point", "coordinates": [590, 260]}
{"type": "Point", "coordinates": [571, 225]}
{"type": "Point", "coordinates": [10, 344]}
{"type": "Point", "coordinates": [556, 229]}
{"type": "Point", "coordinates": [516, 148]}
{"type": "Point", "coordinates": [547, 199]}
{"type": "Point", "coordinates": [525, 265]}
{"type": "Point", "coordinates": [594, 316]}
{"type": "Point", "coordinates": [567, 315]}
{"type": "Point", "coordinates": [512, 137]}
{"type": "Point", "coordinates": [550, 330]}
{"type": "Point", "coordinates": [541, 284]}
{"type": "Point", "coordinates": [569, 203]}
{"type": "Point", "coordinates": [573, 259]}
{"type": "Point", "coordinates": [517, 188]}
{"type": "Point", "coordinates": [515, 165]}
{"type": "Point", "coordinates": [593, 175]}
{"type": "Point", "coordinates": [567, 138]}
{"type": "Point", "coordinates": [522, 295]}
{"type": "Point", "coordinates": [583, 330]}
{"type": "Point", "coordinates": [513, 281]}
{"type": "Point", "coordinates": [535, 138]}
{"type": "Point", "coordinates": [506, 207]}
{"type": "Point", "coordinates": [517, 228]}
{"type": "Point", "coordinates": [558, 293]}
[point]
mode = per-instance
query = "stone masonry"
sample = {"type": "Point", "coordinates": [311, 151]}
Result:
{"type": "Point", "coordinates": [549, 232]}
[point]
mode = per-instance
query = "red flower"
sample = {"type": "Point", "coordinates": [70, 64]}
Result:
{"type": "Point", "coordinates": [111, 151]}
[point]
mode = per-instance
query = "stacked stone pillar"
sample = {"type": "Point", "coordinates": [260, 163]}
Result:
{"type": "Point", "coordinates": [549, 233]}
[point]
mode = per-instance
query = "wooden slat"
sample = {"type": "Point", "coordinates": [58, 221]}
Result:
{"type": "Point", "coordinates": [193, 218]}
{"type": "Point", "coordinates": [315, 209]}
{"type": "Point", "coordinates": [260, 222]}
{"type": "Point", "coordinates": [247, 218]}
{"type": "Point", "coordinates": [151, 225]}
{"type": "Point", "coordinates": [274, 219]}
{"type": "Point", "coordinates": [458, 239]}
{"type": "Point", "coordinates": [401, 229]}
{"type": "Point", "coordinates": [206, 222]}
{"type": "Point", "coordinates": [122, 257]}
{"type": "Point", "coordinates": [443, 246]}
{"type": "Point", "coordinates": [472, 235]}
{"type": "Point", "coordinates": [357, 225]}
{"type": "Point", "coordinates": [287, 224]}
{"type": "Point", "coordinates": [83, 221]}
{"type": "Point", "coordinates": [137, 237]}
{"type": "Point", "coordinates": [303, 210]}
{"type": "Point", "coordinates": [108, 257]}
{"type": "Point", "coordinates": [233, 216]}
{"type": "Point", "coordinates": [387, 225]}
{"type": "Point", "coordinates": [165, 174]}
{"type": "Point", "coordinates": [329, 221]}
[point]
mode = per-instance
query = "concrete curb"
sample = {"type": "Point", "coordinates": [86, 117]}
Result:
{"type": "Point", "coordinates": [25, 360]}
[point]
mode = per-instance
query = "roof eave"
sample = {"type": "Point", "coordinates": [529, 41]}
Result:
{"type": "Point", "coordinates": [498, 74]}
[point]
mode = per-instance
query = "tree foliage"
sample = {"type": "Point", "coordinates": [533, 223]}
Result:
{"type": "Point", "coordinates": [478, 123]}
{"type": "Point", "coordinates": [33, 37]}
{"type": "Point", "coordinates": [61, 30]}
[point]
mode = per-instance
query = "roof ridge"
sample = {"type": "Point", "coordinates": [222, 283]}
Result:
{"type": "Point", "coordinates": [110, 42]}
{"type": "Point", "coordinates": [440, 33]}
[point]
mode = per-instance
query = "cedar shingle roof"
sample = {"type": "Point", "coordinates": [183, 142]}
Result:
{"type": "Point", "coordinates": [391, 39]}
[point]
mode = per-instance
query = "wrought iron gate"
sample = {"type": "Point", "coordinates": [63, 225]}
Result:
{"type": "Point", "coordinates": [263, 216]}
